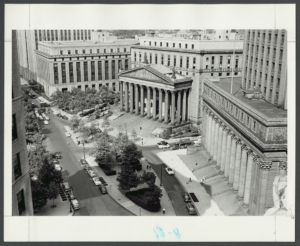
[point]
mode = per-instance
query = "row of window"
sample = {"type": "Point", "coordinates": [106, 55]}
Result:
{"type": "Point", "coordinates": [231, 108]}
{"type": "Point", "coordinates": [186, 46]}
{"type": "Point", "coordinates": [262, 51]}
{"type": "Point", "coordinates": [118, 50]}
{"type": "Point", "coordinates": [86, 71]}
{"type": "Point", "coordinates": [67, 35]}
{"type": "Point", "coordinates": [269, 37]}
{"type": "Point", "coordinates": [94, 87]}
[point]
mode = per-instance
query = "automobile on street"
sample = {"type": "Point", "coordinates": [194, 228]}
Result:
{"type": "Point", "coordinates": [163, 145]}
{"type": "Point", "coordinates": [103, 189]}
{"type": "Point", "coordinates": [191, 209]}
{"type": "Point", "coordinates": [46, 122]}
{"type": "Point", "coordinates": [66, 186]}
{"type": "Point", "coordinates": [58, 167]}
{"type": "Point", "coordinates": [70, 195]}
{"type": "Point", "coordinates": [57, 155]}
{"type": "Point", "coordinates": [169, 171]}
{"type": "Point", "coordinates": [87, 167]}
{"type": "Point", "coordinates": [91, 173]}
{"type": "Point", "coordinates": [64, 117]}
{"type": "Point", "coordinates": [54, 161]}
{"type": "Point", "coordinates": [186, 197]}
{"type": "Point", "coordinates": [47, 118]}
{"type": "Point", "coordinates": [75, 204]}
{"type": "Point", "coordinates": [83, 161]}
{"type": "Point", "coordinates": [68, 134]}
{"type": "Point", "coordinates": [96, 181]}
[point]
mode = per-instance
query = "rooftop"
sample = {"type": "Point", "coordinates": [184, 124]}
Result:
{"type": "Point", "coordinates": [260, 105]}
{"type": "Point", "coordinates": [80, 43]}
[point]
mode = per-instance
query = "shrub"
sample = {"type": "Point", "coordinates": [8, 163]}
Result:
{"type": "Point", "coordinates": [139, 197]}
{"type": "Point", "coordinates": [107, 170]}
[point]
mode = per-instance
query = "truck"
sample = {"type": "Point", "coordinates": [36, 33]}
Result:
{"type": "Point", "coordinates": [184, 142]}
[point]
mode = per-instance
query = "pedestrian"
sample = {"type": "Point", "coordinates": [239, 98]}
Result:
{"type": "Point", "coordinates": [196, 163]}
{"type": "Point", "coordinates": [192, 170]}
{"type": "Point", "coordinates": [78, 142]}
{"type": "Point", "coordinates": [164, 210]}
{"type": "Point", "coordinates": [190, 180]}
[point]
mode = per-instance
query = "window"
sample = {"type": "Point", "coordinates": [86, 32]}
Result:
{"type": "Point", "coordinates": [135, 56]}
{"type": "Point", "coordinates": [154, 43]}
{"type": "Point", "coordinates": [86, 87]}
{"type": "Point", "coordinates": [118, 50]}
{"type": "Point", "coordinates": [160, 43]}
{"type": "Point", "coordinates": [104, 50]}
{"type": "Point", "coordinates": [17, 166]}
{"type": "Point", "coordinates": [124, 49]}
{"type": "Point", "coordinates": [254, 125]}
{"type": "Point", "coordinates": [149, 43]}
{"type": "Point", "coordinates": [14, 128]}
{"type": "Point", "coordinates": [83, 51]}
{"type": "Point", "coordinates": [231, 108]}
{"type": "Point", "coordinates": [168, 60]}
{"type": "Point", "coordinates": [192, 46]}
{"type": "Point", "coordinates": [180, 61]}
{"type": "Point", "coordinates": [69, 52]}
{"type": "Point", "coordinates": [150, 58]}
{"type": "Point", "coordinates": [61, 52]}
{"type": "Point", "coordinates": [173, 45]}
{"type": "Point", "coordinates": [187, 62]}
{"type": "Point", "coordinates": [63, 72]}
{"type": "Point", "coordinates": [155, 58]}
{"type": "Point", "coordinates": [91, 51]}
{"type": "Point", "coordinates": [179, 45]}
{"type": "Point", "coordinates": [174, 61]}
{"type": "Point", "coordinates": [167, 44]}
{"type": "Point", "coordinates": [186, 46]}
{"type": "Point", "coordinates": [242, 117]}
{"type": "Point", "coordinates": [93, 70]}
{"type": "Point", "coordinates": [111, 51]}
{"type": "Point", "coordinates": [55, 67]}
{"type": "Point", "coordinates": [106, 70]}
{"type": "Point", "coordinates": [228, 74]}
{"type": "Point", "coordinates": [140, 57]}
{"type": "Point", "coordinates": [212, 74]}
{"type": "Point", "coordinates": [113, 69]}
{"type": "Point", "coordinates": [71, 74]}
{"type": "Point", "coordinates": [85, 71]}
{"type": "Point", "coordinates": [162, 59]}
{"type": "Point", "coordinates": [221, 60]}
{"type": "Point", "coordinates": [212, 60]}
{"type": "Point", "coordinates": [194, 63]}
{"type": "Point", "coordinates": [76, 51]}
{"type": "Point", "coordinates": [99, 70]}
{"type": "Point", "coordinates": [78, 70]}
{"type": "Point", "coordinates": [21, 202]}
{"type": "Point", "coordinates": [126, 64]}
{"type": "Point", "coordinates": [98, 51]}
{"type": "Point", "coordinates": [207, 58]}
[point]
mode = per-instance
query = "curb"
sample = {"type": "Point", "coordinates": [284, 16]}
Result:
{"type": "Point", "coordinates": [121, 205]}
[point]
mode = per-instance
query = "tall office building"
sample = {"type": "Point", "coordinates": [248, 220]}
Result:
{"type": "Point", "coordinates": [65, 65]}
{"type": "Point", "coordinates": [245, 122]}
{"type": "Point", "coordinates": [28, 42]}
{"type": "Point", "coordinates": [265, 64]}
{"type": "Point", "coordinates": [198, 59]}
{"type": "Point", "coordinates": [21, 188]}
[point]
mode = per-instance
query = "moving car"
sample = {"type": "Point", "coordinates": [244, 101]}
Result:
{"type": "Point", "coordinates": [64, 117]}
{"type": "Point", "coordinates": [186, 197]}
{"type": "Point", "coordinates": [97, 181]}
{"type": "Point", "coordinates": [68, 134]}
{"type": "Point", "coordinates": [91, 173]}
{"type": "Point", "coordinates": [66, 186]}
{"type": "Point", "coordinates": [83, 161]}
{"type": "Point", "coordinates": [58, 167]}
{"type": "Point", "coordinates": [163, 145]}
{"type": "Point", "coordinates": [103, 189]}
{"type": "Point", "coordinates": [169, 171]}
{"type": "Point", "coordinates": [191, 209]}
{"type": "Point", "coordinates": [75, 204]}
{"type": "Point", "coordinates": [46, 122]}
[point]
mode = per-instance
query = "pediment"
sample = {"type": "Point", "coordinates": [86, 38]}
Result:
{"type": "Point", "coordinates": [143, 74]}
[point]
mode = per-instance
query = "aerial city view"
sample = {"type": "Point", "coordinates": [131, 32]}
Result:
{"type": "Point", "coordinates": [149, 122]}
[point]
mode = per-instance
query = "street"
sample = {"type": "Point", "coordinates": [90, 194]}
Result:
{"type": "Point", "coordinates": [91, 200]}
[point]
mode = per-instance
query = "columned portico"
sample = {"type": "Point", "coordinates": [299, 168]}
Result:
{"type": "Point", "coordinates": [173, 108]}
{"type": "Point", "coordinates": [160, 105]}
{"type": "Point", "coordinates": [126, 96]}
{"type": "Point", "coordinates": [131, 97]}
{"type": "Point", "coordinates": [166, 107]}
{"type": "Point", "coordinates": [178, 114]}
{"type": "Point", "coordinates": [142, 100]}
{"type": "Point", "coordinates": [154, 104]}
{"type": "Point", "coordinates": [184, 107]}
{"type": "Point", "coordinates": [121, 96]}
{"type": "Point", "coordinates": [148, 102]}
{"type": "Point", "coordinates": [136, 99]}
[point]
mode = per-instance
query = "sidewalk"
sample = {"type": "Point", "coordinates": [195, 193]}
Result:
{"type": "Point", "coordinates": [62, 208]}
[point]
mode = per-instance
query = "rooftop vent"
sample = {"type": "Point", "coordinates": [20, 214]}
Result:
{"type": "Point", "coordinates": [252, 94]}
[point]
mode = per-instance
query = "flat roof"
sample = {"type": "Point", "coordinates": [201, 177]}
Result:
{"type": "Point", "coordinates": [260, 105]}
{"type": "Point", "coordinates": [88, 43]}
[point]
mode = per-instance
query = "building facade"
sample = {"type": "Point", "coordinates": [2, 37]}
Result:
{"type": "Point", "coordinates": [64, 65]}
{"type": "Point", "coordinates": [28, 42]}
{"type": "Point", "coordinates": [157, 92]}
{"type": "Point", "coordinates": [198, 59]}
{"type": "Point", "coordinates": [21, 187]}
{"type": "Point", "coordinates": [265, 64]}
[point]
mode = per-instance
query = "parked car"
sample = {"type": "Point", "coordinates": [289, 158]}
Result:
{"type": "Point", "coordinates": [47, 118]}
{"type": "Point", "coordinates": [43, 136]}
{"type": "Point", "coordinates": [66, 186]}
{"type": "Point", "coordinates": [57, 155]}
{"type": "Point", "coordinates": [83, 161]}
{"type": "Point", "coordinates": [64, 117]}
{"type": "Point", "coordinates": [186, 197]}
{"type": "Point", "coordinates": [91, 173]}
{"type": "Point", "coordinates": [54, 161]}
{"type": "Point", "coordinates": [68, 134]}
{"type": "Point", "coordinates": [87, 167]}
{"type": "Point", "coordinates": [163, 145]}
{"type": "Point", "coordinates": [75, 204]}
{"type": "Point", "coordinates": [103, 189]}
{"type": "Point", "coordinates": [174, 147]}
{"type": "Point", "coordinates": [169, 171]}
{"type": "Point", "coordinates": [70, 195]}
{"type": "Point", "coordinates": [191, 209]}
{"type": "Point", "coordinates": [59, 115]}
{"type": "Point", "coordinates": [58, 167]}
{"type": "Point", "coordinates": [46, 122]}
{"type": "Point", "coordinates": [96, 181]}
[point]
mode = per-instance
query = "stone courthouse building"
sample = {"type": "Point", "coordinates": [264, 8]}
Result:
{"type": "Point", "coordinates": [245, 120]}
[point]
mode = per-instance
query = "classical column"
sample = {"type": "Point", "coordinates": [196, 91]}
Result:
{"type": "Point", "coordinates": [189, 104]}
{"type": "Point", "coordinates": [219, 151]}
{"type": "Point", "coordinates": [126, 96]}
{"type": "Point", "coordinates": [237, 165]}
{"type": "Point", "coordinates": [216, 140]}
{"type": "Point", "coordinates": [232, 158]}
{"type": "Point", "coordinates": [166, 107]}
{"type": "Point", "coordinates": [184, 107]}
{"type": "Point", "coordinates": [243, 172]}
{"type": "Point", "coordinates": [248, 178]}
{"type": "Point", "coordinates": [209, 129]}
{"type": "Point", "coordinates": [142, 100]}
{"type": "Point", "coordinates": [173, 108]}
{"type": "Point", "coordinates": [160, 105]}
{"type": "Point", "coordinates": [204, 123]}
{"type": "Point", "coordinates": [131, 97]}
{"type": "Point", "coordinates": [148, 102]}
{"type": "Point", "coordinates": [178, 107]}
{"type": "Point", "coordinates": [223, 149]}
{"type": "Point", "coordinates": [121, 96]}
{"type": "Point", "coordinates": [212, 139]}
{"type": "Point", "coordinates": [136, 99]}
{"type": "Point", "coordinates": [255, 168]}
{"type": "Point", "coordinates": [227, 155]}
{"type": "Point", "coordinates": [154, 103]}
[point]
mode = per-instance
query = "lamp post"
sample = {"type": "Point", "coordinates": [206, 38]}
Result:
{"type": "Point", "coordinates": [70, 200]}
{"type": "Point", "coordinates": [161, 175]}
{"type": "Point", "coordinates": [83, 150]}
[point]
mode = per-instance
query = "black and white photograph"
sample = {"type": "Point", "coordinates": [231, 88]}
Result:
{"type": "Point", "coordinates": [182, 125]}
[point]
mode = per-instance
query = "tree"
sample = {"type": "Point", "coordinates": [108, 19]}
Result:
{"type": "Point", "coordinates": [105, 122]}
{"type": "Point", "coordinates": [153, 195]}
{"type": "Point", "coordinates": [48, 174]}
{"type": "Point", "coordinates": [52, 192]}
{"type": "Point", "coordinates": [133, 133]}
{"type": "Point", "coordinates": [36, 155]}
{"type": "Point", "coordinates": [128, 178]}
{"type": "Point", "coordinates": [130, 155]}
{"type": "Point", "coordinates": [39, 195]}
{"type": "Point", "coordinates": [85, 132]}
{"type": "Point", "coordinates": [75, 122]}
{"type": "Point", "coordinates": [149, 179]}
{"type": "Point", "coordinates": [119, 143]}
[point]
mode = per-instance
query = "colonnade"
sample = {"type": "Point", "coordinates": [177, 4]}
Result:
{"type": "Point", "coordinates": [168, 106]}
{"type": "Point", "coordinates": [236, 161]}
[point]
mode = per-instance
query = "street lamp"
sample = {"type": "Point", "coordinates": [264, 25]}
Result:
{"type": "Point", "coordinates": [83, 150]}
{"type": "Point", "coordinates": [161, 175]}
{"type": "Point", "coordinates": [70, 200]}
